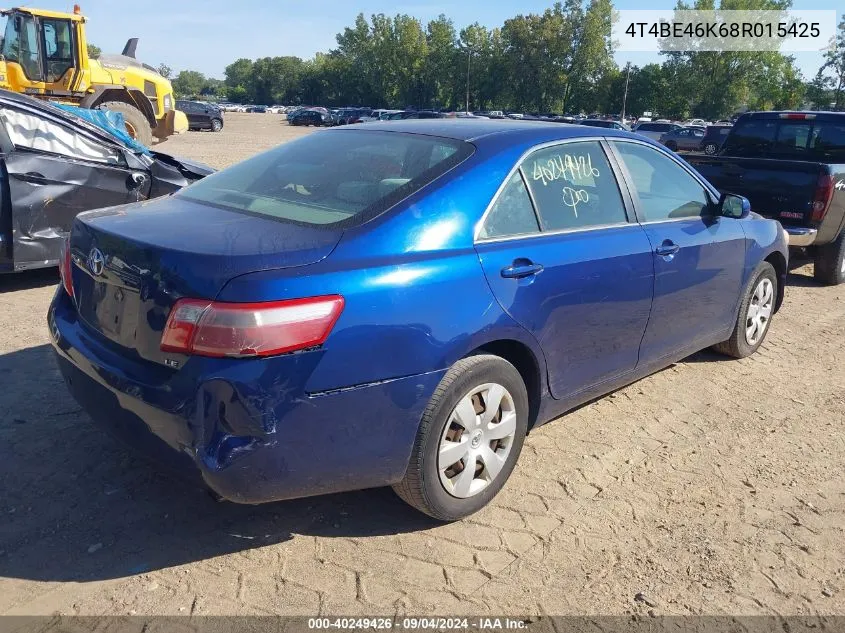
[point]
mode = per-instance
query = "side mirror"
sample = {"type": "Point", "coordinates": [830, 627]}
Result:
{"type": "Point", "coordinates": [734, 206]}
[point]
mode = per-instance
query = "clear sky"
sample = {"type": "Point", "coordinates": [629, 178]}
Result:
{"type": "Point", "coordinates": [209, 34]}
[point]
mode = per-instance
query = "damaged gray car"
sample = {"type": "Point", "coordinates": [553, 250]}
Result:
{"type": "Point", "coordinates": [55, 165]}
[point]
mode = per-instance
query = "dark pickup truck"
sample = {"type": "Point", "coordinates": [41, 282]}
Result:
{"type": "Point", "coordinates": [791, 166]}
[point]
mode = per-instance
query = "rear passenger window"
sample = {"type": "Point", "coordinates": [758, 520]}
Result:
{"type": "Point", "coordinates": [751, 137]}
{"type": "Point", "coordinates": [792, 137]}
{"type": "Point", "coordinates": [573, 187]}
{"type": "Point", "coordinates": [512, 213]}
{"type": "Point", "coordinates": [665, 189]}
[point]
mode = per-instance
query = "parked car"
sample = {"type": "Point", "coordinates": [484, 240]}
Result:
{"type": "Point", "coordinates": [257, 109]}
{"type": "Point", "coordinates": [422, 114]}
{"type": "Point", "coordinates": [56, 165]}
{"type": "Point", "coordinates": [714, 138]}
{"type": "Point", "coordinates": [346, 116]}
{"type": "Point", "coordinates": [654, 130]}
{"type": "Point", "coordinates": [202, 116]}
{"type": "Point", "coordinates": [685, 139]}
{"type": "Point", "coordinates": [613, 125]}
{"type": "Point", "coordinates": [791, 165]}
{"type": "Point", "coordinates": [696, 123]}
{"type": "Point", "coordinates": [281, 364]}
{"type": "Point", "coordinates": [311, 117]}
{"type": "Point", "coordinates": [380, 114]}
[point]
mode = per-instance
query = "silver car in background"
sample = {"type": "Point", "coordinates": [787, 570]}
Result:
{"type": "Point", "coordinates": [654, 130]}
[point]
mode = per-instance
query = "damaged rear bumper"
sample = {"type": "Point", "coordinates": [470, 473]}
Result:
{"type": "Point", "coordinates": [247, 426]}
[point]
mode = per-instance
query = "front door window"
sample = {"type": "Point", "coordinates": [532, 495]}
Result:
{"type": "Point", "coordinates": [20, 44]}
{"type": "Point", "coordinates": [58, 47]}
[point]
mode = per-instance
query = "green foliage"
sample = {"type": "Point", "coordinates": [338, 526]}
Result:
{"type": "Point", "coordinates": [557, 61]}
{"type": "Point", "coordinates": [93, 51]}
{"type": "Point", "coordinates": [164, 70]}
{"type": "Point", "coordinates": [189, 83]}
{"type": "Point", "coordinates": [827, 90]}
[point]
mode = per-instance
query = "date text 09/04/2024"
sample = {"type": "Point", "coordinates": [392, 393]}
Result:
{"type": "Point", "coordinates": [418, 624]}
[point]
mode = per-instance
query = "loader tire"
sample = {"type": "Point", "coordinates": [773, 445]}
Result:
{"type": "Point", "coordinates": [137, 125]}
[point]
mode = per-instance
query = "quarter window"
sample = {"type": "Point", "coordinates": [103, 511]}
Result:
{"type": "Point", "coordinates": [666, 191]}
{"type": "Point", "coordinates": [512, 213]}
{"type": "Point", "coordinates": [573, 187]}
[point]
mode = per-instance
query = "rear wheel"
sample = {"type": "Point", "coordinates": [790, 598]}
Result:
{"type": "Point", "coordinates": [136, 123]}
{"type": "Point", "coordinates": [755, 314]}
{"type": "Point", "coordinates": [710, 148]}
{"type": "Point", "coordinates": [216, 125]}
{"type": "Point", "coordinates": [672, 145]}
{"type": "Point", "coordinates": [830, 261]}
{"type": "Point", "coordinates": [469, 439]}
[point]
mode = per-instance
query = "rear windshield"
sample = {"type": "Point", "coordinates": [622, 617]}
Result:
{"type": "Point", "coordinates": [333, 177]}
{"type": "Point", "coordinates": [799, 139]}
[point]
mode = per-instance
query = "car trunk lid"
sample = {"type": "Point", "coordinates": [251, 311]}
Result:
{"type": "Point", "coordinates": [132, 263]}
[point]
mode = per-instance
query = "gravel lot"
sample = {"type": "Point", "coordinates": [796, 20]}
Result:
{"type": "Point", "coordinates": [714, 486]}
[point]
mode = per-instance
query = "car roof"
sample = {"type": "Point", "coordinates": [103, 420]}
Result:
{"type": "Point", "coordinates": [463, 129]}
{"type": "Point", "coordinates": [776, 114]}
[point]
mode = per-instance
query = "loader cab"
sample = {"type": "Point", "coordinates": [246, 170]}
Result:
{"type": "Point", "coordinates": [44, 47]}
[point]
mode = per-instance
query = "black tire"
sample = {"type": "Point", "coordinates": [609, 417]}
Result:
{"type": "Point", "coordinates": [421, 486]}
{"type": "Point", "coordinates": [737, 345]}
{"type": "Point", "coordinates": [710, 149]}
{"type": "Point", "coordinates": [830, 262]}
{"type": "Point", "coordinates": [136, 123]}
{"type": "Point", "coordinates": [216, 125]}
{"type": "Point", "coordinates": [672, 145]}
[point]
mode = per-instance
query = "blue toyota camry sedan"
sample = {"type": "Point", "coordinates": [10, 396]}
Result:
{"type": "Point", "coordinates": [399, 303]}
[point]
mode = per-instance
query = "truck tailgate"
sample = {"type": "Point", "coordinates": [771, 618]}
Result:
{"type": "Point", "coordinates": [779, 189]}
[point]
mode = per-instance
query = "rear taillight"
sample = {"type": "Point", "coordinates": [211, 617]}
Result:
{"type": "Point", "coordinates": [822, 197]}
{"type": "Point", "coordinates": [65, 268]}
{"type": "Point", "coordinates": [211, 328]}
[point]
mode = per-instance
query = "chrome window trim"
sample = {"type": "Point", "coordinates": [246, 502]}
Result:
{"type": "Point", "coordinates": [522, 236]}
{"type": "Point", "coordinates": [476, 239]}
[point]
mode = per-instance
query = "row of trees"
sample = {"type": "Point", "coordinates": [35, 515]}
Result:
{"type": "Point", "coordinates": [557, 61]}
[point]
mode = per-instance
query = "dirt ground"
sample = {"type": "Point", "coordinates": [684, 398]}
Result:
{"type": "Point", "coordinates": [715, 486]}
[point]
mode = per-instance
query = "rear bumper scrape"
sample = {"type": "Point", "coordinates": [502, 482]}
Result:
{"type": "Point", "coordinates": [250, 429]}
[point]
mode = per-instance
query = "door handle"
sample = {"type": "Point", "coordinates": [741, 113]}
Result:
{"type": "Point", "coordinates": [667, 248]}
{"type": "Point", "coordinates": [33, 177]}
{"type": "Point", "coordinates": [521, 268]}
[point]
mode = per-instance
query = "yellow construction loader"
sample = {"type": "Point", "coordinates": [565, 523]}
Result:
{"type": "Point", "coordinates": [44, 54]}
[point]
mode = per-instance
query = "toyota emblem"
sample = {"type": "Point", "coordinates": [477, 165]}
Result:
{"type": "Point", "coordinates": [96, 261]}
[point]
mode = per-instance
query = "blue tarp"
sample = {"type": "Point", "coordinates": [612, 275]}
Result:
{"type": "Point", "coordinates": [111, 122]}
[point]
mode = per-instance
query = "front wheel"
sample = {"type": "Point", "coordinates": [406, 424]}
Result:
{"type": "Point", "coordinates": [830, 262]}
{"type": "Point", "coordinates": [710, 148]}
{"type": "Point", "coordinates": [469, 439]}
{"type": "Point", "coordinates": [216, 125]}
{"type": "Point", "coordinates": [136, 123]}
{"type": "Point", "coordinates": [755, 314]}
